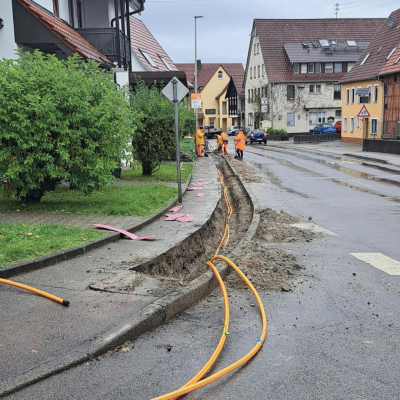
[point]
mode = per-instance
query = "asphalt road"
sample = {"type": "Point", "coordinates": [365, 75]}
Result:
{"type": "Point", "coordinates": [335, 336]}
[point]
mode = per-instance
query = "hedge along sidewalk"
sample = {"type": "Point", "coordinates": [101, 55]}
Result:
{"type": "Point", "coordinates": [129, 223]}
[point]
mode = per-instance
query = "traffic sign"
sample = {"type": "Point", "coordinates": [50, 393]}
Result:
{"type": "Point", "coordinates": [181, 90]}
{"type": "Point", "coordinates": [363, 112]}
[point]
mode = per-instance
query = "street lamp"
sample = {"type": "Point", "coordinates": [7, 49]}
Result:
{"type": "Point", "coordinates": [195, 62]}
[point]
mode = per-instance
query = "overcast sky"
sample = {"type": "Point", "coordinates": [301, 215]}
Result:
{"type": "Point", "coordinates": [223, 33]}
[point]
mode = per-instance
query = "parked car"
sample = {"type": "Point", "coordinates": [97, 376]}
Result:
{"type": "Point", "coordinates": [210, 131]}
{"type": "Point", "coordinates": [338, 126]}
{"type": "Point", "coordinates": [256, 136]}
{"type": "Point", "coordinates": [324, 128]}
{"type": "Point", "coordinates": [233, 130]}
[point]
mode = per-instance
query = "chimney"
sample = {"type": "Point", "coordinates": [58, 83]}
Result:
{"type": "Point", "coordinates": [198, 65]}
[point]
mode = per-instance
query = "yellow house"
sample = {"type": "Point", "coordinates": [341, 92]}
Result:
{"type": "Point", "coordinates": [362, 110]}
{"type": "Point", "coordinates": [212, 83]}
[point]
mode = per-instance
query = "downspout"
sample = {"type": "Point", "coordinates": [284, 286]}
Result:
{"type": "Point", "coordinates": [130, 14]}
{"type": "Point", "coordinates": [383, 102]}
{"type": "Point", "coordinates": [272, 104]}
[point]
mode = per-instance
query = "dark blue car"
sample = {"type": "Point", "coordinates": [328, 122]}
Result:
{"type": "Point", "coordinates": [256, 136]}
{"type": "Point", "coordinates": [324, 128]}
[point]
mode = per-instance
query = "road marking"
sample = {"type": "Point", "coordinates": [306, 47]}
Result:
{"type": "Point", "coordinates": [380, 261]}
{"type": "Point", "coordinates": [352, 180]}
{"type": "Point", "coordinates": [313, 227]}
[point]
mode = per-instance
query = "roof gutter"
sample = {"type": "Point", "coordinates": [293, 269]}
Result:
{"type": "Point", "coordinates": [131, 13]}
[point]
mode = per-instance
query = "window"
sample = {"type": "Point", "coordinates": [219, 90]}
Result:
{"type": "Point", "coordinates": [347, 96]}
{"type": "Point", "coordinates": [338, 67]}
{"type": "Point", "coordinates": [352, 95]}
{"type": "Point", "coordinates": [318, 68]}
{"type": "Point", "coordinates": [296, 68]}
{"type": "Point", "coordinates": [393, 50]}
{"type": "Point", "coordinates": [311, 68]}
{"type": "Point", "coordinates": [364, 95]}
{"type": "Point", "coordinates": [224, 107]}
{"type": "Point", "coordinates": [250, 118]}
{"type": "Point", "coordinates": [358, 122]}
{"type": "Point", "coordinates": [79, 13]}
{"type": "Point", "coordinates": [251, 73]}
{"type": "Point", "coordinates": [254, 72]}
{"type": "Point", "coordinates": [338, 113]}
{"type": "Point", "coordinates": [148, 58]}
{"type": "Point", "coordinates": [313, 118]}
{"type": "Point", "coordinates": [212, 122]}
{"type": "Point", "coordinates": [258, 70]}
{"type": "Point", "coordinates": [311, 88]}
{"type": "Point", "coordinates": [290, 117]}
{"type": "Point", "coordinates": [321, 117]}
{"type": "Point", "coordinates": [248, 95]}
{"type": "Point", "coordinates": [374, 126]}
{"type": "Point", "coordinates": [56, 8]}
{"type": "Point", "coordinates": [258, 48]}
{"type": "Point", "coordinates": [303, 68]}
{"type": "Point", "coordinates": [165, 63]}
{"type": "Point", "coordinates": [219, 74]}
{"type": "Point", "coordinates": [365, 59]}
{"type": "Point", "coordinates": [71, 13]}
{"type": "Point", "coordinates": [344, 127]}
{"type": "Point", "coordinates": [351, 124]}
{"type": "Point", "coordinates": [328, 68]}
{"type": "Point", "coordinates": [255, 49]}
{"type": "Point", "coordinates": [317, 88]}
{"type": "Point", "coordinates": [375, 98]}
{"type": "Point", "coordinates": [350, 65]}
{"type": "Point", "coordinates": [337, 92]}
{"type": "Point", "coordinates": [252, 95]}
{"type": "Point", "coordinates": [290, 92]}
{"type": "Point", "coordinates": [263, 70]}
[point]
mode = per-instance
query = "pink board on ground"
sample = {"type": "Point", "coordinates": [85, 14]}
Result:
{"type": "Point", "coordinates": [176, 208]}
{"type": "Point", "coordinates": [173, 217]}
{"type": "Point", "coordinates": [195, 188]}
{"type": "Point", "coordinates": [187, 218]}
{"type": "Point", "coordinates": [126, 233]}
{"type": "Point", "coordinates": [200, 194]}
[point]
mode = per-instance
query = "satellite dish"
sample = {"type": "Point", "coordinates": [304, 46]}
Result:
{"type": "Point", "coordinates": [390, 22]}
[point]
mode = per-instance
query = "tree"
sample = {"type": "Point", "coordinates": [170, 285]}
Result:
{"type": "Point", "coordinates": [154, 126]}
{"type": "Point", "coordinates": [59, 119]}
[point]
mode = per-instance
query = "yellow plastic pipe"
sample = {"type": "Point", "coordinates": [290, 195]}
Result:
{"type": "Point", "coordinates": [37, 291]}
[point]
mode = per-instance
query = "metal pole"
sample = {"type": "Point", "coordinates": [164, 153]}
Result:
{"type": "Point", "coordinates": [195, 63]}
{"type": "Point", "coordinates": [178, 161]}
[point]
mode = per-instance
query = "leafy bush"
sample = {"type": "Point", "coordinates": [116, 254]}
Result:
{"type": "Point", "coordinates": [154, 126]}
{"type": "Point", "coordinates": [59, 119]}
{"type": "Point", "coordinates": [280, 132]}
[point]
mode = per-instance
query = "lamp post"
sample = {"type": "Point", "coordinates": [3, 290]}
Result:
{"type": "Point", "coordinates": [195, 62]}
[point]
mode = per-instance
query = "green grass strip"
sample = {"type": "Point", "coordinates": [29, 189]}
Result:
{"type": "Point", "coordinates": [20, 242]}
{"type": "Point", "coordinates": [166, 173]}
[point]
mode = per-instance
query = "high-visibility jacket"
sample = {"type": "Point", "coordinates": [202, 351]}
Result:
{"type": "Point", "coordinates": [199, 137]}
{"type": "Point", "coordinates": [240, 140]}
{"type": "Point", "coordinates": [219, 140]}
{"type": "Point", "coordinates": [224, 136]}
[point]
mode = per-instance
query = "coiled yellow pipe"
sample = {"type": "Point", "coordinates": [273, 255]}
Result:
{"type": "Point", "coordinates": [37, 291]}
{"type": "Point", "coordinates": [195, 382]}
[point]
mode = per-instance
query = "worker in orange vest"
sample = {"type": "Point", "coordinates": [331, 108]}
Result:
{"type": "Point", "coordinates": [220, 143]}
{"type": "Point", "coordinates": [199, 142]}
{"type": "Point", "coordinates": [240, 141]}
{"type": "Point", "coordinates": [224, 138]}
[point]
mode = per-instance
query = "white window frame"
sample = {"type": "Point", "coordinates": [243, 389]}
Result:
{"type": "Point", "coordinates": [376, 93]}
{"type": "Point", "coordinates": [258, 48]}
{"type": "Point", "coordinates": [311, 89]}
{"type": "Point", "coordinates": [220, 75]}
{"type": "Point", "coordinates": [371, 126]}
{"type": "Point", "coordinates": [337, 68]}
{"type": "Point", "coordinates": [322, 117]}
{"type": "Point", "coordinates": [251, 73]}
{"type": "Point", "coordinates": [296, 68]}
{"type": "Point", "coordinates": [318, 68]}
{"type": "Point", "coordinates": [288, 122]}
{"type": "Point", "coordinates": [303, 68]}
{"type": "Point", "coordinates": [358, 122]}
{"type": "Point", "coordinates": [352, 98]}
{"type": "Point", "coordinates": [255, 48]}
{"type": "Point", "coordinates": [250, 119]}
{"type": "Point", "coordinates": [263, 70]}
{"type": "Point", "coordinates": [165, 62]}
{"type": "Point", "coordinates": [351, 124]}
{"type": "Point", "coordinates": [258, 71]}
{"type": "Point", "coordinates": [344, 127]}
{"type": "Point", "coordinates": [318, 88]}
{"type": "Point", "coordinates": [365, 59]}
{"type": "Point", "coordinates": [330, 67]}
{"type": "Point", "coordinates": [148, 58]}
{"type": "Point", "coordinates": [347, 96]}
{"type": "Point", "coordinates": [350, 65]}
{"type": "Point", "coordinates": [310, 68]}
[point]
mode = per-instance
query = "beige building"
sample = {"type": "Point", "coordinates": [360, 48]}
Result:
{"type": "Point", "coordinates": [212, 83]}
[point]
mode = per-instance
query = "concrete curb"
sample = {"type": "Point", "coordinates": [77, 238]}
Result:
{"type": "Point", "coordinates": [149, 318]}
{"type": "Point", "coordinates": [51, 259]}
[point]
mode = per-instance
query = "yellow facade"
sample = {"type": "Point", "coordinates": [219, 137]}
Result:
{"type": "Point", "coordinates": [354, 128]}
{"type": "Point", "coordinates": [215, 110]}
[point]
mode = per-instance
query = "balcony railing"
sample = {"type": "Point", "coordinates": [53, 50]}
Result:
{"type": "Point", "coordinates": [104, 39]}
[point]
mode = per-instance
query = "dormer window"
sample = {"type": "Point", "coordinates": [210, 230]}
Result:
{"type": "Point", "coordinates": [165, 63]}
{"type": "Point", "coordinates": [220, 75]}
{"type": "Point", "coordinates": [148, 58]}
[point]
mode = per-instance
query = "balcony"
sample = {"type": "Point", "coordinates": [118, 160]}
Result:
{"type": "Point", "coordinates": [104, 39]}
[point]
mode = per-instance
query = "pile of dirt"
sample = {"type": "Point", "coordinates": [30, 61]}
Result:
{"type": "Point", "coordinates": [247, 173]}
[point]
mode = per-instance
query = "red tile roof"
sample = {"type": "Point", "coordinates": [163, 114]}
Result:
{"type": "Point", "coordinates": [207, 71]}
{"type": "Point", "coordinates": [274, 33]}
{"type": "Point", "coordinates": [65, 33]}
{"type": "Point", "coordinates": [142, 39]}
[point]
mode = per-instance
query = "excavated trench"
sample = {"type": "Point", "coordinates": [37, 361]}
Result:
{"type": "Point", "coordinates": [186, 262]}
